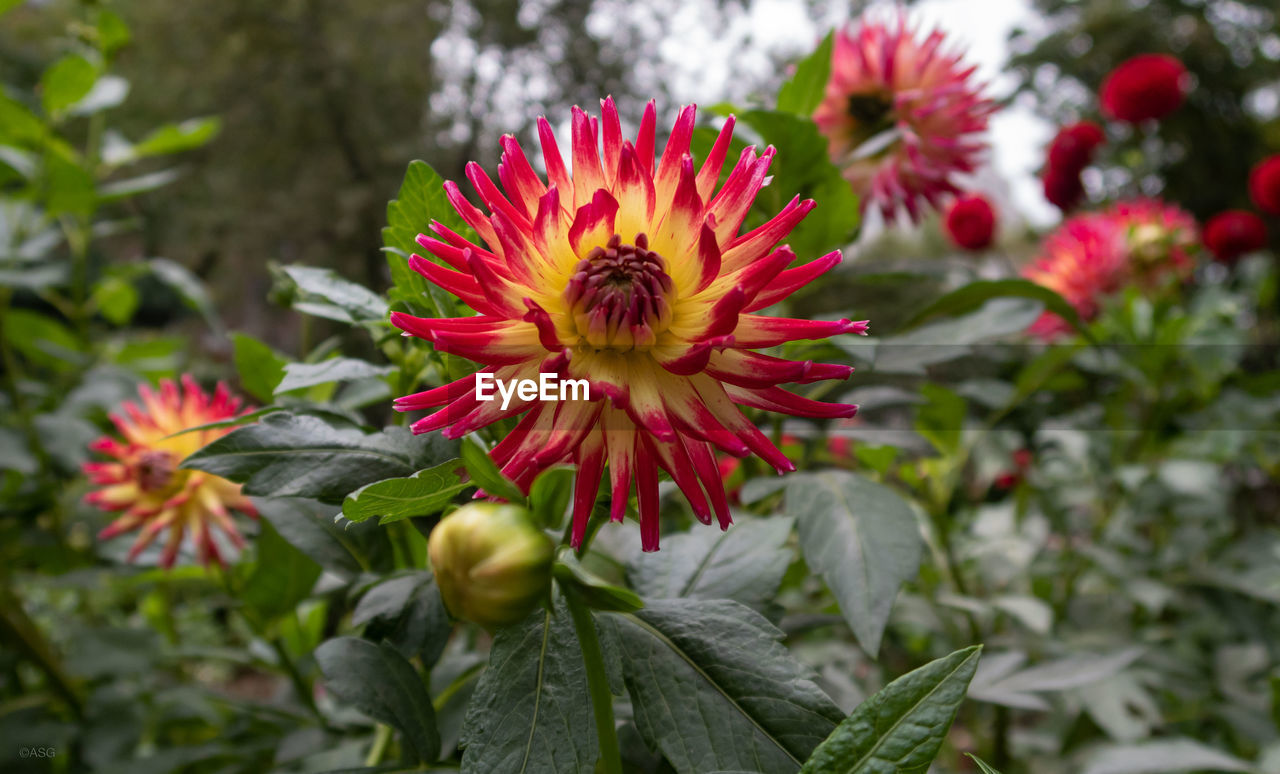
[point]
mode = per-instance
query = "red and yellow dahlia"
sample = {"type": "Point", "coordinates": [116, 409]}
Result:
{"type": "Point", "coordinates": [901, 115]}
{"type": "Point", "coordinates": [144, 479]}
{"type": "Point", "coordinates": [629, 273]}
{"type": "Point", "coordinates": [1090, 256]}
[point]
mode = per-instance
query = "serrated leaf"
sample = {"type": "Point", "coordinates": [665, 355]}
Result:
{"type": "Point", "coordinates": [531, 710]}
{"type": "Point", "coordinates": [712, 687]}
{"type": "Point", "coordinates": [379, 682]}
{"type": "Point", "coordinates": [803, 92]}
{"type": "Point", "coordinates": [323, 293]}
{"type": "Point", "coordinates": [862, 538]}
{"type": "Point", "coordinates": [745, 563]}
{"type": "Point", "coordinates": [1160, 756]}
{"type": "Point", "coordinates": [486, 475]}
{"type": "Point", "coordinates": [422, 494]}
{"type": "Point", "coordinates": [901, 727]}
{"type": "Point", "coordinates": [306, 456]}
{"type": "Point", "coordinates": [337, 369]}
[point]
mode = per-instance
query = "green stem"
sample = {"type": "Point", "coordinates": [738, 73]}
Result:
{"type": "Point", "coordinates": [380, 741]}
{"type": "Point", "coordinates": [597, 685]}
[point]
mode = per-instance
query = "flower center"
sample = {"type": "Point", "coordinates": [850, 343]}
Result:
{"type": "Point", "coordinates": [619, 295]}
{"type": "Point", "coordinates": [154, 470]}
{"type": "Point", "coordinates": [872, 113]}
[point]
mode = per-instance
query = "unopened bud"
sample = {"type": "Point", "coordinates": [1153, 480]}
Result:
{"type": "Point", "coordinates": [491, 563]}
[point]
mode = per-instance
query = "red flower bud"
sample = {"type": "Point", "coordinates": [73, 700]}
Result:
{"type": "Point", "coordinates": [1231, 234]}
{"type": "Point", "coordinates": [1073, 146]}
{"type": "Point", "coordinates": [1145, 87]}
{"type": "Point", "coordinates": [971, 222]}
{"type": "Point", "coordinates": [1264, 184]}
{"type": "Point", "coordinates": [1063, 188]}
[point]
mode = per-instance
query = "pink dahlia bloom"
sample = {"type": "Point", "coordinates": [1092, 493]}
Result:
{"type": "Point", "coordinates": [901, 115]}
{"type": "Point", "coordinates": [1145, 87]}
{"type": "Point", "coordinates": [630, 274]}
{"type": "Point", "coordinates": [1092, 255]}
{"type": "Point", "coordinates": [144, 481]}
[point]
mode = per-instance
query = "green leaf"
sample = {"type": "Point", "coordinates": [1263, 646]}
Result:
{"type": "Point", "coordinates": [41, 339]}
{"type": "Point", "coordinates": [116, 299]}
{"type": "Point", "coordinates": [713, 688]}
{"type": "Point", "coordinates": [65, 83]}
{"type": "Point", "coordinates": [745, 563]}
{"type": "Point", "coordinates": [107, 92]}
{"type": "Point", "coordinates": [596, 592]}
{"type": "Point", "coordinates": [421, 199]}
{"type": "Point", "coordinates": [69, 188]}
{"type": "Point", "coordinates": [189, 288]}
{"type": "Point", "coordinates": [175, 138]}
{"type": "Point", "coordinates": [975, 294]}
{"type": "Point", "coordinates": [902, 726]}
{"type": "Point", "coordinates": [550, 494]}
{"type": "Point", "coordinates": [1160, 756]}
{"type": "Point", "coordinates": [941, 419]}
{"type": "Point", "coordinates": [259, 367]}
{"type": "Point", "coordinates": [486, 475]}
{"type": "Point", "coordinates": [308, 456]}
{"type": "Point", "coordinates": [132, 186]}
{"type": "Point", "coordinates": [113, 33]}
{"type": "Point", "coordinates": [9, 5]}
{"type": "Point", "coordinates": [862, 538]}
{"type": "Point", "coordinates": [531, 711]}
{"type": "Point", "coordinates": [379, 682]}
{"type": "Point", "coordinates": [422, 494]}
{"type": "Point", "coordinates": [406, 611]}
{"type": "Point", "coordinates": [321, 292]}
{"type": "Point", "coordinates": [803, 93]}
{"type": "Point", "coordinates": [282, 577]}
{"type": "Point", "coordinates": [344, 549]}
{"type": "Point", "coordinates": [338, 369]}
{"type": "Point", "coordinates": [983, 768]}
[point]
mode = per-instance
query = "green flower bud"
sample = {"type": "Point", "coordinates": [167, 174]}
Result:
{"type": "Point", "coordinates": [491, 563]}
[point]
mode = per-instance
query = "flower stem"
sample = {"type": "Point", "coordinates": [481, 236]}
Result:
{"type": "Point", "coordinates": [597, 685]}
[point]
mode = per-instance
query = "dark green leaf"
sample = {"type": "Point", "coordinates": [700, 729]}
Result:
{"type": "Point", "coordinates": [982, 766]}
{"type": "Point", "coordinates": [308, 456]}
{"type": "Point", "coordinates": [422, 494]}
{"type": "Point", "coordinates": [745, 563]}
{"type": "Point", "coordinates": [406, 611]}
{"type": "Point", "coordinates": [597, 593]}
{"type": "Point", "coordinates": [344, 549]}
{"type": "Point", "coordinates": [377, 680]}
{"type": "Point", "coordinates": [531, 710]}
{"type": "Point", "coordinates": [421, 199]}
{"type": "Point", "coordinates": [975, 294]}
{"type": "Point", "coordinates": [803, 93]}
{"type": "Point", "coordinates": [40, 338]}
{"type": "Point", "coordinates": [321, 292]}
{"type": "Point", "coordinates": [338, 369]}
{"type": "Point", "coordinates": [189, 288]}
{"type": "Point", "coordinates": [282, 577]}
{"type": "Point", "coordinates": [862, 538]}
{"type": "Point", "coordinates": [259, 367]}
{"type": "Point", "coordinates": [486, 475]}
{"type": "Point", "coordinates": [902, 726]}
{"type": "Point", "coordinates": [550, 494]}
{"type": "Point", "coordinates": [714, 689]}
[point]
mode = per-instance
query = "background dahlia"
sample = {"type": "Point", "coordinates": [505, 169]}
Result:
{"type": "Point", "coordinates": [971, 222]}
{"type": "Point", "coordinates": [1144, 87]}
{"type": "Point", "coordinates": [144, 479]}
{"type": "Point", "coordinates": [1264, 184]}
{"type": "Point", "coordinates": [629, 273]}
{"type": "Point", "coordinates": [901, 115]}
{"type": "Point", "coordinates": [1231, 234]}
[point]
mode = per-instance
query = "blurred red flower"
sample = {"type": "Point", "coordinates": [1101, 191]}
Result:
{"type": "Point", "coordinates": [1072, 147]}
{"type": "Point", "coordinates": [1231, 234]}
{"type": "Point", "coordinates": [1264, 184]}
{"type": "Point", "coordinates": [1144, 87]}
{"type": "Point", "coordinates": [1063, 188]}
{"type": "Point", "coordinates": [971, 222]}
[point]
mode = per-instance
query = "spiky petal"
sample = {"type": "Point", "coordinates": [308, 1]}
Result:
{"type": "Point", "coordinates": [143, 479]}
{"type": "Point", "coordinates": [630, 274]}
{"type": "Point", "coordinates": [901, 115]}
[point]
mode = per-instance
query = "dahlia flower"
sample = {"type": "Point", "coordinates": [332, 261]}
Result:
{"type": "Point", "coordinates": [1072, 148]}
{"type": "Point", "coordinates": [901, 115]}
{"type": "Point", "coordinates": [144, 479]}
{"type": "Point", "coordinates": [971, 222]}
{"type": "Point", "coordinates": [1231, 234]}
{"type": "Point", "coordinates": [1063, 188]}
{"type": "Point", "coordinates": [633, 277]}
{"type": "Point", "coordinates": [1144, 87]}
{"type": "Point", "coordinates": [1264, 184]}
{"type": "Point", "coordinates": [1090, 256]}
